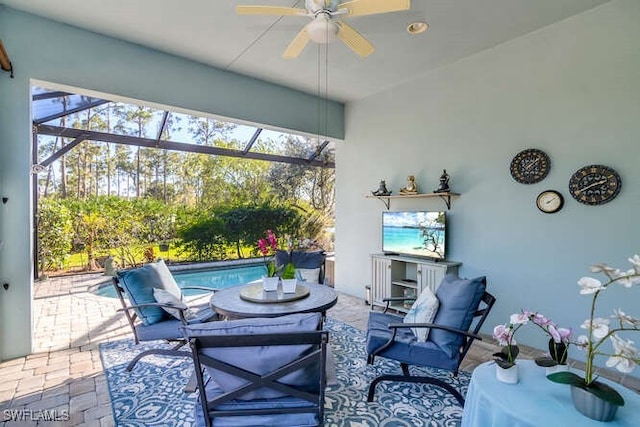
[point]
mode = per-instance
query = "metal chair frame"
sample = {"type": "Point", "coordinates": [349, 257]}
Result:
{"type": "Point", "coordinates": [132, 319]}
{"type": "Point", "coordinates": [480, 315]}
{"type": "Point", "coordinates": [317, 339]}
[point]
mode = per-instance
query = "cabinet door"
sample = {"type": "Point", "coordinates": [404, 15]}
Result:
{"type": "Point", "coordinates": [380, 279]}
{"type": "Point", "coordinates": [430, 276]}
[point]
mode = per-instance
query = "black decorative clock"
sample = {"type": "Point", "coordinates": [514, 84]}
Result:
{"type": "Point", "coordinates": [530, 166]}
{"type": "Point", "coordinates": [595, 184]}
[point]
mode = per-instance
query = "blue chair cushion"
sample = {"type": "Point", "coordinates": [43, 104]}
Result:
{"type": "Point", "coordinates": [459, 299]}
{"type": "Point", "coordinates": [406, 347]}
{"type": "Point", "coordinates": [313, 259]}
{"type": "Point", "coordinates": [170, 329]}
{"type": "Point", "coordinates": [308, 264]}
{"type": "Point", "coordinates": [263, 359]}
{"type": "Point", "coordinates": [213, 391]}
{"type": "Point", "coordinates": [138, 285]}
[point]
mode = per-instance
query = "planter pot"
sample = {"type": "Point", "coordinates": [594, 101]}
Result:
{"type": "Point", "coordinates": [289, 285]}
{"type": "Point", "coordinates": [164, 247]}
{"type": "Point", "coordinates": [592, 406]}
{"type": "Point", "coordinates": [557, 368]}
{"type": "Point", "coordinates": [270, 284]}
{"type": "Point", "coordinates": [509, 375]}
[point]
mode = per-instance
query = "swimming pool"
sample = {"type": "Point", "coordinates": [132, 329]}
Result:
{"type": "Point", "coordinates": [218, 278]}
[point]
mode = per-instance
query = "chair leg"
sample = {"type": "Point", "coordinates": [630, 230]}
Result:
{"type": "Point", "coordinates": [405, 369]}
{"type": "Point", "coordinates": [160, 351]}
{"type": "Point", "coordinates": [192, 384]}
{"type": "Point", "coordinates": [410, 379]}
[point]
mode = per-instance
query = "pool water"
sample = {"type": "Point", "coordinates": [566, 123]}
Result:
{"type": "Point", "coordinates": [219, 278]}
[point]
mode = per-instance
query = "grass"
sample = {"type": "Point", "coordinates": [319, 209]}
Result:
{"type": "Point", "coordinates": [78, 261]}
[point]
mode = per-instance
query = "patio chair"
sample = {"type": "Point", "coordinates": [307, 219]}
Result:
{"type": "Point", "coordinates": [261, 371]}
{"type": "Point", "coordinates": [152, 303]}
{"type": "Point", "coordinates": [463, 306]}
{"type": "Point", "coordinates": [309, 265]}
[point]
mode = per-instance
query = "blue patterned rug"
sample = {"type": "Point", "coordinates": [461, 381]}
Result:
{"type": "Point", "coordinates": [152, 395]}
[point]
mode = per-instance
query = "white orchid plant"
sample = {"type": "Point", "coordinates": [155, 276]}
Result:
{"type": "Point", "coordinates": [625, 356]}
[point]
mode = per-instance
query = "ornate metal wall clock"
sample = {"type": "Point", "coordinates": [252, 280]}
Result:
{"type": "Point", "coordinates": [595, 184]}
{"type": "Point", "coordinates": [530, 166]}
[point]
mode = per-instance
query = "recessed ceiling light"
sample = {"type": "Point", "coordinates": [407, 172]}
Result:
{"type": "Point", "coordinates": [417, 27]}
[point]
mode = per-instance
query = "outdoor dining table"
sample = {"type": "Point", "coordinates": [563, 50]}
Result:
{"type": "Point", "coordinates": [250, 301]}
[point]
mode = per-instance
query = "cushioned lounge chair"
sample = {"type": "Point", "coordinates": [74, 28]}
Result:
{"type": "Point", "coordinates": [309, 265]}
{"type": "Point", "coordinates": [139, 289]}
{"type": "Point", "coordinates": [260, 372]}
{"type": "Point", "coordinates": [463, 307]}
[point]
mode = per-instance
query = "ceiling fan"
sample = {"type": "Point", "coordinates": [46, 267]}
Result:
{"type": "Point", "coordinates": [326, 25]}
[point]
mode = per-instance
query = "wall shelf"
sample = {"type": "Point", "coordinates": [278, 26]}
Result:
{"type": "Point", "coordinates": [446, 197]}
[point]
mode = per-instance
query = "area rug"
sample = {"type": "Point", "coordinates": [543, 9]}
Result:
{"type": "Point", "coordinates": [153, 393]}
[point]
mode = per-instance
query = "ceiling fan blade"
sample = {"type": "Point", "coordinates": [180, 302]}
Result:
{"type": "Point", "coordinates": [371, 7]}
{"type": "Point", "coordinates": [354, 40]}
{"type": "Point", "coordinates": [297, 44]}
{"type": "Point", "coordinates": [269, 10]}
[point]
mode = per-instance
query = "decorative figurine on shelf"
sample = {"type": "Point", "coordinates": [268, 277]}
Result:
{"type": "Point", "coordinates": [444, 183]}
{"type": "Point", "coordinates": [411, 187]}
{"type": "Point", "coordinates": [382, 189]}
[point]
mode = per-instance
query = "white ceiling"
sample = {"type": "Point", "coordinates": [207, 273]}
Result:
{"type": "Point", "coordinates": [210, 32]}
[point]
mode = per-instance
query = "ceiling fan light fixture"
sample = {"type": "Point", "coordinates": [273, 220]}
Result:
{"type": "Point", "coordinates": [417, 27]}
{"type": "Point", "coordinates": [322, 30]}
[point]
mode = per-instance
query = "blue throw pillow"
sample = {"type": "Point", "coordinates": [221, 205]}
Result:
{"type": "Point", "coordinates": [459, 298]}
{"type": "Point", "coordinates": [138, 285]}
{"type": "Point", "coordinates": [260, 360]}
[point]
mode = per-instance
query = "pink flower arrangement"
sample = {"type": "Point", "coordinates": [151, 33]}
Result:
{"type": "Point", "coordinates": [268, 248]}
{"type": "Point", "coordinates": [559, 340]}
{"type": "Point", "coordinates": [505, 336]}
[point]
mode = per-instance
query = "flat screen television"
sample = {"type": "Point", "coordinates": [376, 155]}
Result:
{"type": "Point", "coordinates": [415, 233]}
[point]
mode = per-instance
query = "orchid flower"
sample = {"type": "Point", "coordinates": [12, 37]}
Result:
{"type": "Point", "coordinates": [625, 355]}
{"type": "Point", "coordinates": [267, 247]}
{"type": "Point", "coordinates": [590, 285]}
{"type": "Point", "coordinates": [599, 327]}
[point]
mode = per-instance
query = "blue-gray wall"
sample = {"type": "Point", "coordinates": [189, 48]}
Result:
{"type": "Point", "coordinates": [44, 50]}
{"type": "Point", "coordinates": [571, 89]}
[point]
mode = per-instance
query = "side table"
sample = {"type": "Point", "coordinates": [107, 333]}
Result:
{"type": "Point", "coordinates": [533, 401]}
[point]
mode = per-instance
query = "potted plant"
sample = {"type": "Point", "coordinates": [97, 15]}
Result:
{"type": "Point", "coordinates": [559, 341]}
{"type": "Point", "coordinates": [506, 368]}
{"type": "Point", "coordinates": [288, 276]}
{"type": "Point", "coordinates": [268, 247]}
{"type": "Point", "coordinates": [591, 397]}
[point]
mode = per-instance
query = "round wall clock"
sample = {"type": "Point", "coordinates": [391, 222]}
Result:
{"type": "Point", "coordinates": [595, 184]}
{"type": "Point", "coordinates": [530, 166]}
{"type": "Point", "coordinates": [550, 201]}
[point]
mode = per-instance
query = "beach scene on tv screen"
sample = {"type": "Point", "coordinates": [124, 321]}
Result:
{"type": "Point", "coordinates": [414, 233]}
